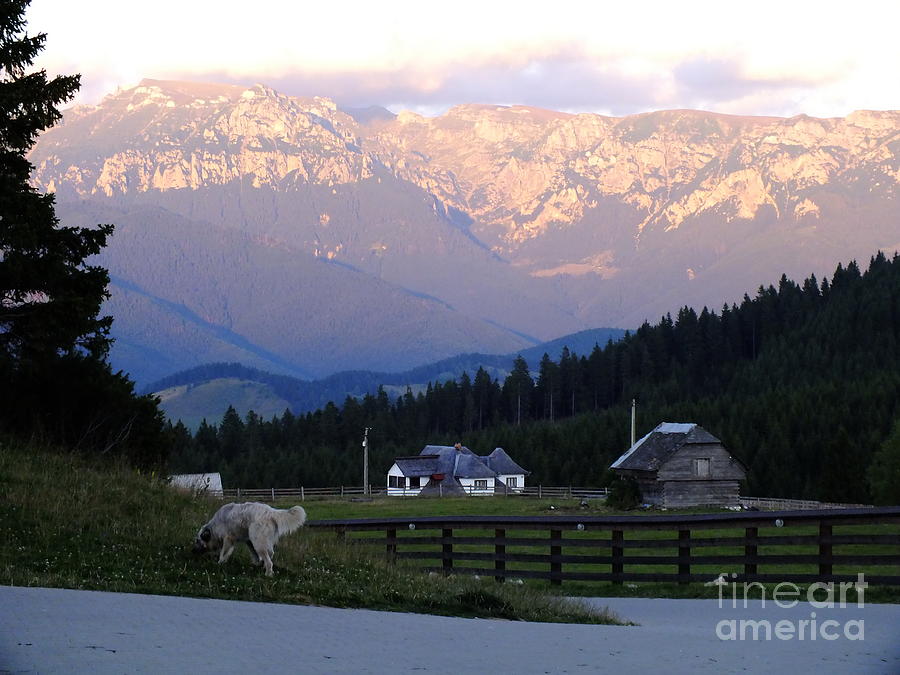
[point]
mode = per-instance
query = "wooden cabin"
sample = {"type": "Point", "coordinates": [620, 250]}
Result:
{"type": "Point", "coordinates": [679, 465]}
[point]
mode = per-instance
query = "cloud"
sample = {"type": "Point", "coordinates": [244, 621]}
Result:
{"type": "Point", "coordinates": [568, 80]}
{"type": "Point", "coordinates": [615, 58]}
{"type": "Point", "coordinates": [561, 82]}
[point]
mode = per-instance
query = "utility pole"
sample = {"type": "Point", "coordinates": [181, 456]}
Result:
{"type": "Point", "coordinates": [365, 445]}
{"type": "Point", "coordinates": [633, 412]}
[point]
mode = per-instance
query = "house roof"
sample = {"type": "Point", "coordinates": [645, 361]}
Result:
{"type": "Point", "coordinates": [502, 463]}
{"type": "Point", "coordinates": [461, 463]}
{"type": "Point", "coordinates": [448, 486]}
{"type": "Point", "coordinates": [419, 465]}
{"type": "Point", "coordinates": [655, 449]}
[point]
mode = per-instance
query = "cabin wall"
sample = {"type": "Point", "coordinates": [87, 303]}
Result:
{"type": "Point", "coordinates": [721, 465]}
{"type": "Point", "coordinates": [685, 493]}
{"type": "Point", "coordinates": [651, 491]}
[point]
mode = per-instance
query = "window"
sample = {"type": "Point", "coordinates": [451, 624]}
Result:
{"type": "Point", "coordinates": [480, 484]}
{"type": "Point", "coordinates": [392, 481]}
{"type": "Point", "coordinates": [701, 468]}
{"type": "Point", "coordinates": [415, 482]}
{"type": "Point", "coordinates": [512, 481]}
{"type": "Point", "coordinates": [401, 482]}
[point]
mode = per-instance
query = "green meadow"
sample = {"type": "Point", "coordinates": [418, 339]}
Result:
{"type": "Point", "coordinates": [67, 523]}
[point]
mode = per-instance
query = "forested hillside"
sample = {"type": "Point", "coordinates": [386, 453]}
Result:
{"type": "Point", "coordinates": [207, 390]}
{"type": "Point", "coordinates": [801, 382]}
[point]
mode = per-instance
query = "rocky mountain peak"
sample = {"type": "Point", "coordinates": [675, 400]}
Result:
{"type": "Point", "coordinates": [165, 135]}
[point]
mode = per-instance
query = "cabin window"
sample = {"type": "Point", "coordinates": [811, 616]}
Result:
{"type": "Point", "coordinates": [401, 482]}
{"type": "Point", "coordinates": [512, 481]}
{"type": "Point", "coordinates": [482, 484]}
{"type": "Point", "coordinates": [415, 482]}
{"type": "Point", "coordinates": [701, 467]}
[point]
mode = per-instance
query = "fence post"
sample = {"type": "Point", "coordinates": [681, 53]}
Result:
{"type": "Point", "coordinates": [824, 550]}
{"type": "Point", "coordinates": [684, 556]}
{"type": "Point", "coordinates": [239, 493]}
{"type": "Point", "coordinates": [750, 552]}
{"type": "Point", "coordinates": [540, 495]}
{"type": "Point", "coordinates": [555, 550]}
{"type": "Point", "coordinates": [302, 496]}
{"type": "Point", "coordinates": [391, 545]}
{"type": "Point", "coordinates": [618, 545]}
{"type": "Point", "coordinates": [500, 553]}
{"type": "Point", "coordinates": [447, 550]}
{"type": "Point", "coordinates": [273, 494]}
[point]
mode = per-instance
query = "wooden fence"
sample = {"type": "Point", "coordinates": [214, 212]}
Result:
{"type": "Point", "coordinates": [794, 546]}
{"type": "Point", "coordinates": [301, 493]}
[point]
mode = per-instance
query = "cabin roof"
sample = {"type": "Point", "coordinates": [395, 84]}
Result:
{"type": "Point", "coordinates": [655, 449]}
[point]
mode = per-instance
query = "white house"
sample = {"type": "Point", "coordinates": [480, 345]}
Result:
{"type": "Point", "coordinates": [209, 483]}
{"type": "Point", "coordinates": [454, 470]}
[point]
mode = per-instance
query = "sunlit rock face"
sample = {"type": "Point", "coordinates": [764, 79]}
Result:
{"type": "Point", "coordinates": [513, 223]}
{"type": "Point", "coordinates": [520, 171]}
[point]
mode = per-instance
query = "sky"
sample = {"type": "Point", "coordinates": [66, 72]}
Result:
{"type": "Point", "coordinates": [765, 57]}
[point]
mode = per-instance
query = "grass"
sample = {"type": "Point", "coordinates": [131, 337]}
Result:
{"type": "Point", "coordinates": [68, 524]}
{"type": "Point", "coordinates": [390, 507]}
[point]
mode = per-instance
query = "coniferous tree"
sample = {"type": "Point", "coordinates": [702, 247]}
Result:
{"type": "Point", "coordinates": [517, 391]}
{"type": "Point", "coordinates": [884, 471]}
{"type": "Point", "coordinates": [54, 380]}
{"type": "Point", "coordinates": [49, 298]}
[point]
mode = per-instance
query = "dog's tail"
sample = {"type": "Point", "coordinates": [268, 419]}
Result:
{"type": "Point", "coordinates": [290, 519]}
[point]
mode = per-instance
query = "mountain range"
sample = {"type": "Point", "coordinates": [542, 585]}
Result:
{"type": "Point", "coordinates": [295, 237]}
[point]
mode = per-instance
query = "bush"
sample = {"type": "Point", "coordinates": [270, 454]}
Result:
{"type": "Point", "coordinates": [624, 494]}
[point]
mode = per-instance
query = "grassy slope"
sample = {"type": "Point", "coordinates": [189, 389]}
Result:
{"type": "Point", "coordinates": [66, 524]}
{"type": "Point", "coordinates": [211, 399]}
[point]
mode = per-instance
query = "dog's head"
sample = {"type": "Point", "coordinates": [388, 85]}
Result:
{"type": "Point", "coordinates": [205, 541]}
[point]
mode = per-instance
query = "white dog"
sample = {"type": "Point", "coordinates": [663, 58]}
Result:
{"type": "Point", "coordinates": [257, 524]}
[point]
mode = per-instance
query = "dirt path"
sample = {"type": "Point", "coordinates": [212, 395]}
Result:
{"type": "Point", "coordinates": [64, 631]}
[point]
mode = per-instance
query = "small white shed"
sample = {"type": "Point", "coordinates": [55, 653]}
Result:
{"type": "Point", "coordinates": [208, 483]}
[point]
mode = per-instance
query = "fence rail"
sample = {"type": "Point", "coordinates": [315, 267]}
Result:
{"type": "Point", "coordinates": [540, 491]}
{"type": "Point", "coordinates": [794, 504]}
{"type": "Point", "coordinates": [795, 546]}
{"type": "Point", "coordinates": [274, 494]}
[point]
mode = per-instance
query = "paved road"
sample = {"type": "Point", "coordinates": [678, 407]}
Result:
{"type": "Point", "coordinates": [64, 631]}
